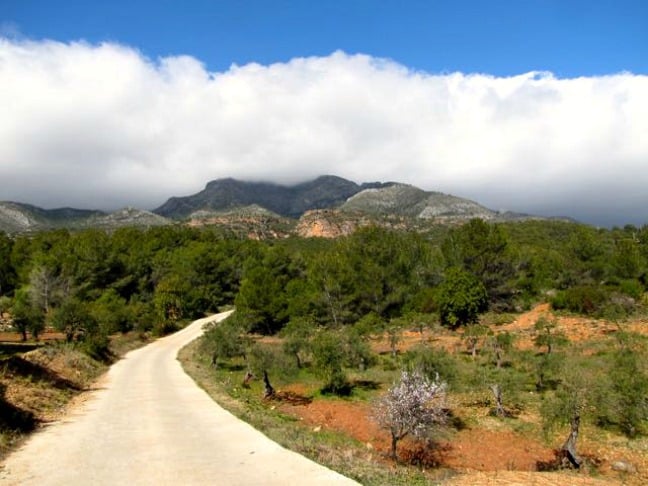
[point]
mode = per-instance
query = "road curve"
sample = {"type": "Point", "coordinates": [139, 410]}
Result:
{"type": "Point", "coordinates": [149, 423]}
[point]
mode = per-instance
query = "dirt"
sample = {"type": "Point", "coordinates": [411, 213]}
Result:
{"type": "Point", "coordinates": [466, 449]}
{"type": "Point", "coordinates": [486, 455]}
{"type": "Point", "coordinates": [15, 337]}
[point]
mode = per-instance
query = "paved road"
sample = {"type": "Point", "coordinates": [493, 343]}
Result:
{"type": "Point", "coordinates": [150, 424]}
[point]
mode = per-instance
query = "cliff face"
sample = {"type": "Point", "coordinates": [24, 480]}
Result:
{"type": "Point", "coordinates": [326, 224]}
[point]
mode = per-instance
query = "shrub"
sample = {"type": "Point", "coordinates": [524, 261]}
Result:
{"type": "Point", "coordinates": [587, 299]}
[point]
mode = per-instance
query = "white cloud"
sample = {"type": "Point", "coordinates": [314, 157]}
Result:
{"type": "Point", "coordinates": [103, 126]}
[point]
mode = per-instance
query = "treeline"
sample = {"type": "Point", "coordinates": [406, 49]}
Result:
{"type": "Point", "coordinates": [93, 283]}
{"type": "Point", "coordinates": [458, 274]}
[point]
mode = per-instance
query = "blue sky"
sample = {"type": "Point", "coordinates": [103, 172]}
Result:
{"type": "Point", "coordinates": [498, 37]}
{"type": "Point", "coordinates": [536, 106]}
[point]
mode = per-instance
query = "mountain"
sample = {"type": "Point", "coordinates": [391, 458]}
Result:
{"type": "Point", "coordinates": [327, 206]}
{"type": "Point", "coordinates": [289, 201]}
{"type": "Point", "coordinates": [410, 201]}
{"type": "Point", "coordinates": [20, 218]}
{"type": "Point", "coordinates": [126, 217]}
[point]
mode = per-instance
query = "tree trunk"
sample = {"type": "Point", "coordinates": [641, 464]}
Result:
{"type": "Point", "coordinates": [498, 357]}
{"type": "Point", "coordinates": [247, 379]}
{"type": "Point", "coordinates": [472, 343]}
{"type": "Point", "coordinates": [394, 443]}
{"type": "Point", "coordinates": [569, 447]}
{"type": "Point", "coordinates": [268, 391]}
{"type": "Point", "coordinates": [497, 393]}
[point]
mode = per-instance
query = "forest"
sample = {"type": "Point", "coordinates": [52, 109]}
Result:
{"type": "Point", "coordinates": [327, 300]}
{"type": "Point", "coordinates": [92, 283]}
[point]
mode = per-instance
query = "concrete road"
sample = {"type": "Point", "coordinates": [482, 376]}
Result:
{"type": "Point", "coordinates": [150, 424]}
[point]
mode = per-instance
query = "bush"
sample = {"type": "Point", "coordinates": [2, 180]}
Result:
{"type": "Point", "coordinates": [587, 299]}
{"type": "Point", "coordinates": [432, 362]}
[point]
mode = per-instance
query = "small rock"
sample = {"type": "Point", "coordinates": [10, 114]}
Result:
{"type": "Point", "coordinates": [623, 466]}
{"type": "Point", "coordinates": [317, 429]}
{"type": "Point", "coordinates": [369, 446]}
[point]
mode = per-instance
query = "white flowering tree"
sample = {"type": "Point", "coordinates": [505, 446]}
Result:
{"type": "Point", "coordinates": [412, 406]}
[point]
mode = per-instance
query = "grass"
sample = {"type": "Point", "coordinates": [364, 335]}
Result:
{"type": "Point", "coordinates": [334, 450]}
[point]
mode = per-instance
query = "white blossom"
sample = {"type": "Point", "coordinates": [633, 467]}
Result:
{"type": "Point", "coordinates": [412, 406]}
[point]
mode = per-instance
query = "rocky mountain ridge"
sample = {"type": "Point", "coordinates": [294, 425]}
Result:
{"type": "Point", "coordinates": [328, 206]}
{"type": "Point", "coordinates": [289, 201]}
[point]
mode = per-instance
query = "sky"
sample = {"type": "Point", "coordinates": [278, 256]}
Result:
{"type": "Point", "coordinates": [537, 106]}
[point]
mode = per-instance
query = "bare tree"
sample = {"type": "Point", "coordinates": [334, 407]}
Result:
{"type": "Point", "coordinates": [412, 406]}
{"type": "Point", "coordinates": [46, 287]}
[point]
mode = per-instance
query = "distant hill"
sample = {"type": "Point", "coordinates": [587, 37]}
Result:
{"type": "Point", "coordinates": [289, 201]}
{"type": "Point", "coordinates": [20, 218]}
{"type": "Point", "coordinates": [126, 217]}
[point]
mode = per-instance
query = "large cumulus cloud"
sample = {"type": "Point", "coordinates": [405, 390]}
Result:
{"type": "Point", "coordinates": [103, 126]}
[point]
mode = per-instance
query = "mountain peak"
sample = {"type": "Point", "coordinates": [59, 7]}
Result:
{"type": "Point", "coordinates": [290, 201]}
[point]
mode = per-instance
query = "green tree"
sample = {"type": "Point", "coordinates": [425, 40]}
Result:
{"type": "Point", "coordinates": [225, 340]}
{"type": "Point", "coordinates": [262, 297]}
{"type": "Point", "coordinates": [462, 297]}
{"type": "Point", "coordinates": [112, 313]}
{"type": "Point", "coordinates": [168, 299]}
{"type": "Point", "coordinates": [7, 272]}
{"type": "Point", "coordinates": [297, 334]}
{"type": "Point", "coordinates": [328, 360]}
{"type": "Point", "coordinates": [473, 336]}
{"type": "Point", "coordinates": [482, 249]}
{"type": "Point", "coordinates": [26, 316]}
{"type": "Point", "coordinates": [548, 335]}
{"type": "Point", "coordinates": [74, 319]}
{"type": "Point", "coordinates": [501, 344]}
{"type": "Point", "coordinates": [571, 402]}
{"type": "Point", "coordinates": [623, 401]}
